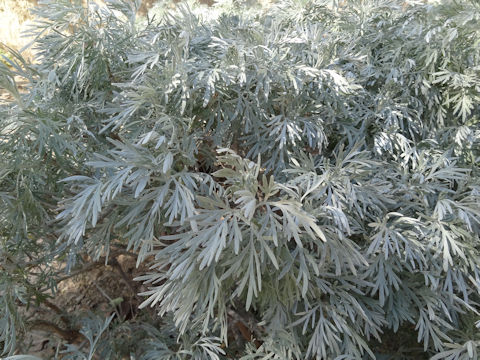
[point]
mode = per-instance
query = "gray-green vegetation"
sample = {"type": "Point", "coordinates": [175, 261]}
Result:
{"type": "Point", "coordinates": [312, 170]}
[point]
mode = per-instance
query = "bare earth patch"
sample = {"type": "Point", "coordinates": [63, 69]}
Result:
{"type": "Point", "coordinates": [102, 289]}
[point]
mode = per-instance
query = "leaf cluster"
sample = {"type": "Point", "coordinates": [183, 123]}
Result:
{"type": "Point", "coordinates": [310, 171]}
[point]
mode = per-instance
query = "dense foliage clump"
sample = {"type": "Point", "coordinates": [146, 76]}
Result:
{"type": "Point", "coordinates": [308, 173]}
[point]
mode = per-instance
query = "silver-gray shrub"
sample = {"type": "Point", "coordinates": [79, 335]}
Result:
{"type": "Point", "coordinates": [312, 167]}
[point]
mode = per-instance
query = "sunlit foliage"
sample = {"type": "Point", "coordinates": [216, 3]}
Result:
{"type": "Point", "coordinates": [311, 169]}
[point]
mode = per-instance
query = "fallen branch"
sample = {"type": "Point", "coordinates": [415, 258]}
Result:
{"type": "Point", "coordinates": [70, 335]}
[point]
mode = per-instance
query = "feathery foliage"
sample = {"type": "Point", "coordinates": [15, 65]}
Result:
{"type": "Point", "coordinates": [309, 172]}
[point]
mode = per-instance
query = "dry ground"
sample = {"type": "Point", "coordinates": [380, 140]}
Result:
{"type": "Point", "coordinates": [95, 287]}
